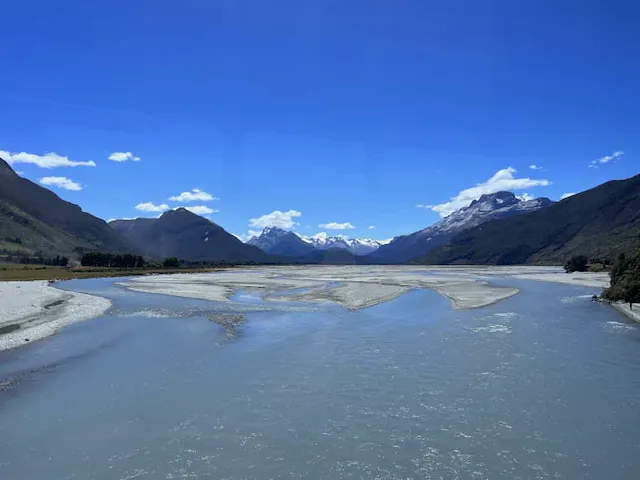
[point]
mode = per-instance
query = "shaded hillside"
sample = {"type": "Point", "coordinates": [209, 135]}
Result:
{"type": "Point", "coordinates": [600, 222]}
{"type": "Point", "coordinates": [180, 233]}
{"type": "Point", "coordinates": [486, 208]}
{"type": "Point", "coordinates": [34, 219]}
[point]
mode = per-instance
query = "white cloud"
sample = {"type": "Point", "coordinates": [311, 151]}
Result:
{"type": "Point", "coordinates": [48, 160]}
{"type": "Point", "coordinates": [567, 195]}
{"type": "Point", "coordinates": [151, 207]}
{"type": "Point", "coordinates": [603, 160]}
{"type": "Point", "coordinates": [422, 205]}
{"type": "Point", "coordinates": [123, 157]}
{"type": "Point", "coordinates": [337, 226]}
{"type": "Point", "coordinates": [61, 182]}
{"type": "Point", "coordinates": [535, 167]}
{"type": "Point", "coordinates": [371, 227]}
{"type": "Point", "coordinates": [276, 218]}
{"type": "Point", "coordinates": [502, 180]}
{"type": "Point", "coordinates": [199, 209]}
{"type": "Point", "coordinates": [195, 195]}
{"type": "Point", "coordinates": [525, 197]}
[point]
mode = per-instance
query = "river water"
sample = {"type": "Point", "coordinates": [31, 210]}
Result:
{"type": "Point", "coordinates": [545, 384]}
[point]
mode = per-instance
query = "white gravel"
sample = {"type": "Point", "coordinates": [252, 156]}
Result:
{"type": "Point", "coordinates": [41, 310]}
{"type": "Point", "coordinates": [587, 279]}
{"type": "Point", "coordinates": [353, 287]}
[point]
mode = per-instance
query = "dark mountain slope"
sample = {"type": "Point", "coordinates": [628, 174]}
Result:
{"type": "Point", "coordinates": [180, 233]}
{"type": "Point", "coordinates": [44, 222]}
{"type": "Point", "coordinates": [486, 208]}
{"type": "Point", "coordinates": [600, 222]}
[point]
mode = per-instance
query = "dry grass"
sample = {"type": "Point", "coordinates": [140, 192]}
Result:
{"type": "Point", "coordinates": [12, 271]}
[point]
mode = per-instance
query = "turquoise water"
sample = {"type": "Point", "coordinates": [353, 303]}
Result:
{"type": "Point", "coordinates": [543, 385]}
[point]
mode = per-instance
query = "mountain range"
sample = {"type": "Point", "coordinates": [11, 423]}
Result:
{"type": "Point", "coordinates": [600, 223]}
{"type": "Point", "coordinates": [276, 241]}
{"type": "Point", "coordinates": [497, 228]}
{"type": "Point", "coordinates": [488, 207]}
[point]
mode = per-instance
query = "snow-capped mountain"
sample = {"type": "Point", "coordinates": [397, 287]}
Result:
{"type": "Point", "coordinates": [486, 208]}
{"type": "Point", "coordinates": [277, 241]}
{"type": "Point", "coordinates": [357, 246]}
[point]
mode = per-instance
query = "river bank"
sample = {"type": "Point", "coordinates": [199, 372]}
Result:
{"type": "Point", "coordinates": [34, 310]}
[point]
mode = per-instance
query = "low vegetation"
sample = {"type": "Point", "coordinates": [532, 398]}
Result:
{"type": "Point", "coordinates": [577, 263]}
{"type": "Point", "coordinates": [171, 262]}
{"type": "Point", "coordinates": [99, 259]}
{"type": "Point", "coordinates": [625, 280]}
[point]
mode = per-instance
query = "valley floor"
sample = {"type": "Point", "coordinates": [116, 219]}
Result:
{"type": "Point", "coordinates": [356, 287]}
{"type": "Point", "coordinates": [34, 309]}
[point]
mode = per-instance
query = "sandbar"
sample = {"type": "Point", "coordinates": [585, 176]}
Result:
{"type": "Point", "coordinates": [34, 310]}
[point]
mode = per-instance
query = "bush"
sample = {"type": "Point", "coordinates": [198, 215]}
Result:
{"type": "Point", "coordinates": [625, 280]}
{"type": "Point", "coordinates": [171, 262]}
{"type": "Point", "coordinates": [577, 263]}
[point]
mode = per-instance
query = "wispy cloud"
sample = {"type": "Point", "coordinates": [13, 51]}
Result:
{"type": "Point", "coordinates": [276, 218]}
{"type": "Point", "coordinates": [48, 160]}
{"type": "Point", "coordinates": [123, 157]}
{"type": "Point", "coordinates": [567, 195]}
{"type": "Point", "coordinates": [200, 209]}
{"type": "Point", "coordinates": [151, 207]}
{"type": "Point", "coordinates": [371, 227]}
{"type": "Point", "coordinates": [422, 205]}
{"type": "Point", "coordinates": [61, 182]}
{"type": "Point", "coordinates": [535, 167]}
{"type": "Point", "coordinates": [337, 226]}
{"type": "Point", "coordinates": [504, 179]}
{"type": "Point", "coordinates": [195, 195]}
{"type": "Point", "coordinates": [606, 159]}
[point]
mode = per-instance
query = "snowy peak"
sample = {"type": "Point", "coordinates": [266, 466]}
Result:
{"type": "Point", "coordinates": [283, 242]}
{"type": "Point", "coordinates": [357, 246]}
{"type": "Point", "coordinates": [487, 207]}
{"type": "Point", "coordinates": [269, 237]}
{"type": "Point", "coordinates": [277, 241]}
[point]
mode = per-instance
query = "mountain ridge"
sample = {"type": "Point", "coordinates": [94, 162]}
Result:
{"type": "Point", "coordinates": [600, 223]}
{"type": "Point", "coordinates": [486, 208]}
{"type": "Point", "coordinates": [45, 223]}
{"type": "Point", "coordinates": [183, 234]}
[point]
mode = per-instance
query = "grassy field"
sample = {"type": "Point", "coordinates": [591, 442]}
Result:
{"type": "Point", "coordinates": [13, 271]}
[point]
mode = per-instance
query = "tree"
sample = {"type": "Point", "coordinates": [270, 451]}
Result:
{"type": "Point", "coordinates": [577, 263]}
{"type": "Point", "coordinates": [625, 280]}
{"type": "Point", "coordinates": [171, 262]}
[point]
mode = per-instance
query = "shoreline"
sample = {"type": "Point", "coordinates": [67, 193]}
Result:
{"type": "Point", "coordinates": [35, 310]}
{"type": "Point", "coordinates": [624, 309]}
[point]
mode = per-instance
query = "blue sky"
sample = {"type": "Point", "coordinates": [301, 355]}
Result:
{"type": "Point", "coordinates": [332, 113]}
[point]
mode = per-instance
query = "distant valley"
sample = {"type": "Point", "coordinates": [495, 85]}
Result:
{"type": "Point", "coordinates": [498, 228]}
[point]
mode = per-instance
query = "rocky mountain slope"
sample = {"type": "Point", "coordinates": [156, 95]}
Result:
{"type": "Point", "coordinates": [180, 233]}
{"type": "Point", "coordinates": [276, 241]}
{"type": "Point", "coordinates": [357, 246]}
{"type": "Point", "coordinates": [486, 208]}
{"type": "Point", "coordinates": [599, 223]}
{"type": "Point", "coordinates": [35, 220]}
